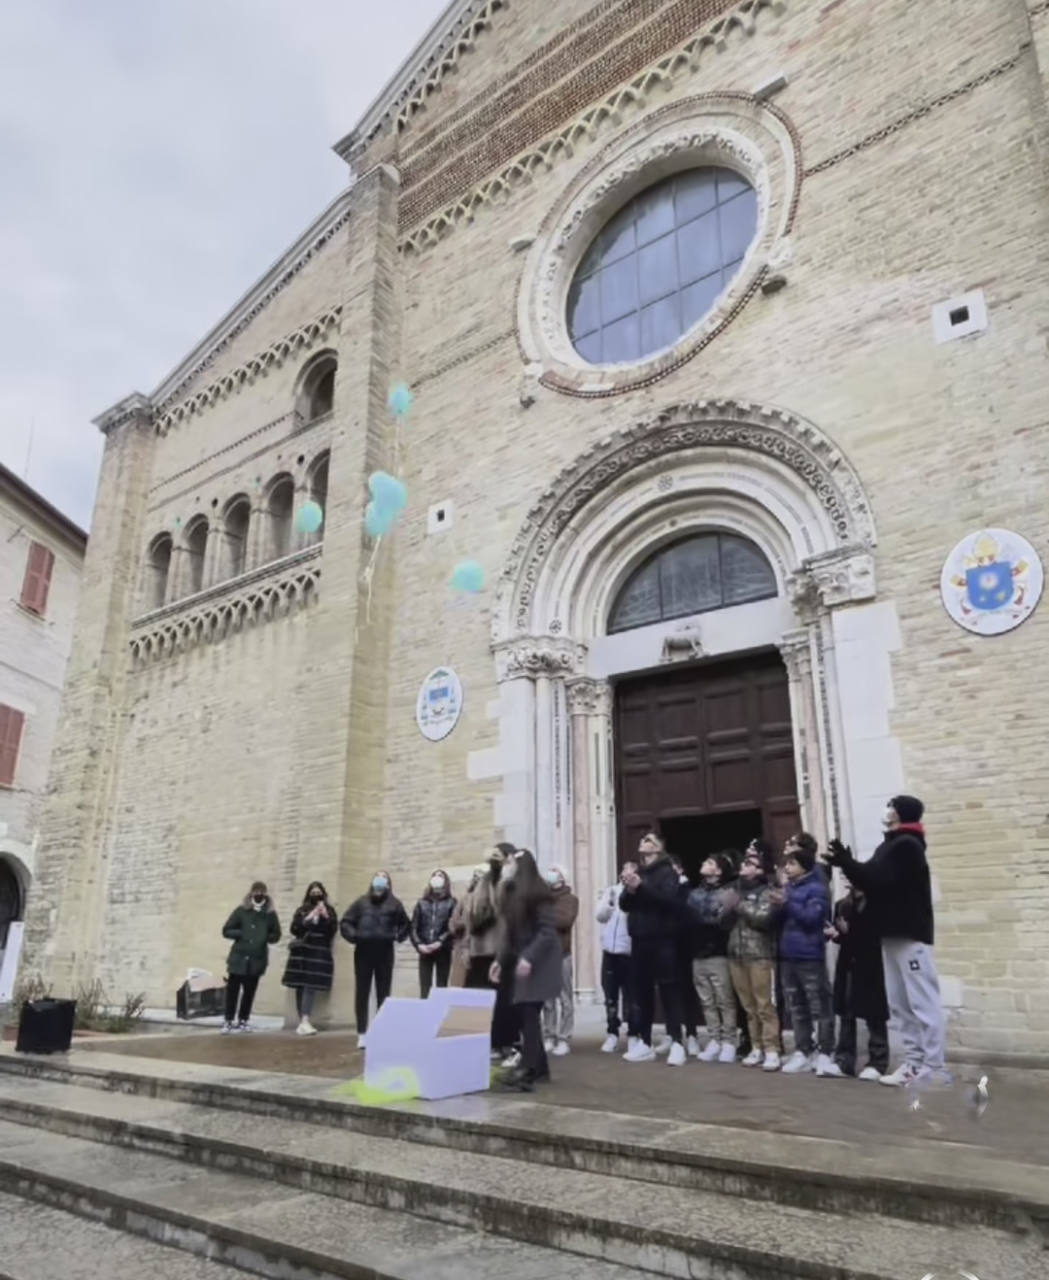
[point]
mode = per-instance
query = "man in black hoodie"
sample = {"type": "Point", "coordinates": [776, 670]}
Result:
{"type": "Point", "coordinates": [898, 886]}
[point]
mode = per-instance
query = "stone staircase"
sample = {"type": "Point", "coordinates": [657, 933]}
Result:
{"type": "Point", "coordinates": [222, 1170]}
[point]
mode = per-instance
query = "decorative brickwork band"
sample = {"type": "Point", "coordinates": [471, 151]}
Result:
{"type": "Point", "coordinates": [274, 591]}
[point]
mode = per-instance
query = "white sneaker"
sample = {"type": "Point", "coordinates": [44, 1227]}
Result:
{"type": "Point", "coordinates": [631, 1045]}
{"type": "Point", "coordinates": [692, 1047]}
{"type": "Point", "coordinates": [771, 1062]}
{"type": "Point", "coordinates": [903, 1075]}
{"type": "Point", "coordinates": [663, 1046]}
{"type": "Point", "coordinates": [826, 1066]}
{"type": "Point", "coordinates": [796, 1063]}
{"type": "Point", "coordinates": [610, 1045]}
{"type": "Point", "coordinates": [561, 1049]}
{"type": "Point", "coordinates": [362, 1041]}
{"type": "Point", "coordinates": [641, 1052]}
{"type": "Point", "coordinates": [245, 1027]}
{"type": "Point", "coordinates": [869, 1073]}
{"type": "Point", "coordinates": [511, 1060]}
{"type": "Point", "coordinates": [710, 1053]}
{"type": "Point", "coordinates": [548, 1044]}
{"type": "Point", "coordinates": [676, 1056]}
{"type": "Point", "coordinates": [753, 1058]}
{"type": "Point", "coordinates": [305, 1028]}
{"type": "Point", "coordinates": [728, 1052]}
{"type": "Point", "coordinates": [228, 1029]}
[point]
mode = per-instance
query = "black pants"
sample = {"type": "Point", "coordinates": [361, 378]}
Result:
{"type": "Point", "coordinates": [656, 965]}
{"type": "Point", "coordinates": [691, 1009]}
{"type": "Point", "coordinates": [244, 987]}
{"type": "Point", "coordinates": [534, 1061]}
{"type": "Point", "coordinates": [877, 1046]}
{"type": "Point", "coordinates": [439, 962]}
{"type": "Point", "coordinates": [506, 1016]}
{"type": "Point", "coordinates": [477, 973]}
{"type": "Point", "coordinates": [617, 982]}
{"type": "Point", "coordinates": [371, 960]}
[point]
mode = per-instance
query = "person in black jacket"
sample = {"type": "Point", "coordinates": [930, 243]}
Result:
{"type": "Point", "coordinates": [372, 925]}
{"type": "Point", "coordinates": [898, 885]}
{"type": "Point", "coordinates": [859, 986]}
{"type": "Point", "coordinates": [652, 897]}
{"type": "Point", "coordinates": [431, 932]}
{"type": "Point", "coordinates": [310, 966]}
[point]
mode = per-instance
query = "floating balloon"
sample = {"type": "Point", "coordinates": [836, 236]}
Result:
{"type": "Point", "coordinates": [401, 400]}
{"type": "Point", "coordinates": [310, 517]}
{"type": "Point", "coordinates": [378, 520]}
{"type": "Point", "coordinates": [388, 493]}
{"type": "Point", "coordinates": [468, 576]}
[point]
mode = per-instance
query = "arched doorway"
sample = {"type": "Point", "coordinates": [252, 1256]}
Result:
{"type": "Point", "coordinates": [762, 484]}
{"type": "Point", "coordinates": [11, 905]}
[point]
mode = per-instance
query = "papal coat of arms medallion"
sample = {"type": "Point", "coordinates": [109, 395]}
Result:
{"type": "Point", "coordinates": [991, 581]}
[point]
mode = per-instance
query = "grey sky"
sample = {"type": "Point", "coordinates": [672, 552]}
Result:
{"type": "Point", "coordinates": [155, 157]}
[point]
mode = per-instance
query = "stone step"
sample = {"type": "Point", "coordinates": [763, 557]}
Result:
{"type": "Point", "coordinates": [41, 1243]}
{"type": "Point", "coordinates": [926, 1181]}
{"type": "Point", "coordinates": [218, 1225]}
{"type": "Point", "coordinates": [678, 1231]}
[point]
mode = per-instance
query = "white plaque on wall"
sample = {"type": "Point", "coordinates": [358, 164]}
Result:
{"type": "Point", "coordinates": [439, 705]}
{"type": "Point", "coordinates": [991, 581]}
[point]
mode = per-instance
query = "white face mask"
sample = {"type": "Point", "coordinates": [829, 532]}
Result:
{"type": "Point", "coordinates": [380, 884]}
{"type": "Point", "coordinates": [552, 879]}
{"type": "Point", "coordinates": [437, 883]}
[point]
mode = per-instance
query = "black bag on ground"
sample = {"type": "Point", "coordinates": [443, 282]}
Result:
{"type": "Point", "coordinates": [209, 1003]}
{"type": "Point", "coordinates": [46, 1026]}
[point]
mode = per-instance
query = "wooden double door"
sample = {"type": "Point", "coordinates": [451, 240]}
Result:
{"type": "Point", "coordinates": [705, 755]}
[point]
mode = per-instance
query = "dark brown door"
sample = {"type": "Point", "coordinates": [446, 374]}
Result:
{"type": "Point", "coordinates": [705, 740]}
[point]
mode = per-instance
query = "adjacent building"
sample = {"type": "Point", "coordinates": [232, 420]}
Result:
{"type": "Point", "coordinates": [724, 323]}
{"type": "Point", "coordinates": [41, 561]}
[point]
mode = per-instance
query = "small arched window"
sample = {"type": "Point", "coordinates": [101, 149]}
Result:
{"type": "Point", "coordinates": [279, 509]}
{"type": "Point", "coordinates": [661, 264]}
{"type": "Point", "coordinates": [158, 570]}
{"type": "Point", "coordinates": [196, 550]}
{"type": "Point", "coordinates": [316, 395]}
{"type": "Point", "coordinates": [318, 485]}
{"type": "Point", "coordinates": [235, 536]}
{"type": "Point", "coordinates": [696, 575]}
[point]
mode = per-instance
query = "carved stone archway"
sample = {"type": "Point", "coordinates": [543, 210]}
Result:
{"type": "Point", "coordinates": [763, 472]}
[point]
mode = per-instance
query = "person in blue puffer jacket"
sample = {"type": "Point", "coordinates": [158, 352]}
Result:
{"type": "Point", "coordinates": [805, 901]}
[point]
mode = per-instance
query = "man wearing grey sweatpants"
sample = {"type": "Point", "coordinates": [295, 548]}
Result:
{"type": "Point", "coordinates": [898, 886]}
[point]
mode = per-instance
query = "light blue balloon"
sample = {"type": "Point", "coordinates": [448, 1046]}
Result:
{"type": "Point", "coordinates": [388, 493]}
{"type": "Point", "coordinates": [468, 576]}
{"type": "Point", "coordinates": [378, 521]}
{"type": "Point", "coordinates": [310, 517]}
{"type": "Point", "coordinates": [401, 400]}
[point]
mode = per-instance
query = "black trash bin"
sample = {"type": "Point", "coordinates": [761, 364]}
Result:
{"type": "Point", "coordinates": [46, 1026]}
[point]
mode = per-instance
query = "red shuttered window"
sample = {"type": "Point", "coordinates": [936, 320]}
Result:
{"type": "Point", "coordinates": [11, 723]}
{"type": "Point", "coordinates": [37, 581]}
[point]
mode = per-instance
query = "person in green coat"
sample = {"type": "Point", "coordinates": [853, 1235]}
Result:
{"type": "Point", "coordinates": [252, 926]}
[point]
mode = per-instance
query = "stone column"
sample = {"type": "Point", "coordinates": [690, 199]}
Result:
{"type": "Point", "coordinates": [796, 648]}
{"type": "Point", "coordinates": [589, 703]}
{"type": "Point", "coordinates": [67, 899]}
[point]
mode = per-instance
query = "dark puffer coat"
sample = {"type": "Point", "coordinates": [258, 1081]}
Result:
{"type": "Point", "coordinates": [859, 979]}
{"type": "Point", "coordinates": [310, 963]}
{"type": "Point", "coordinates": [252, 932]}
{"type": "Point", "coordinates": [432, 920]}
{"type": "Point", "coordinates": [656, 908]}
{"type": "Point", "coordinates": [806, 912]}
{"type": "Point", "coordinates": [898, 884]}
{"type": "Point", "coordinates": [375, 919]}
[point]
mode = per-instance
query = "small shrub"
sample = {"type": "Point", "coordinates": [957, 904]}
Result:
{"type": "Point", "coordinates": [31, 988]}
{"type": "Point", "coordinates": [91, 1004]}
{"type": "Point", "coordinates": [133, 1009]}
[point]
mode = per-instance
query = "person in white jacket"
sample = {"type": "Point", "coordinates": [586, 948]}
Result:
{"type": "Point", "coordinates": [617, 977]}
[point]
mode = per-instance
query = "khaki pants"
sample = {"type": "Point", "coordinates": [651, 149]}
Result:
{"type": "Point", "coordinates": [712, 983]}
{"type": "Point", "coordinates": [754, 982]}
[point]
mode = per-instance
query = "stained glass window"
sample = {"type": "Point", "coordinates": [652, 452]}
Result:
{"type": "Point", "coordinates": [709, 571]}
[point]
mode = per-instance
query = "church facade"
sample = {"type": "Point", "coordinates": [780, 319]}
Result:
{"type": "Point", "coordinates": [716, 333]}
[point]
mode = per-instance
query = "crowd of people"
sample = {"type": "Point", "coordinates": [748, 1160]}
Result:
{"type": "Point", "coordinates": [743, 954]}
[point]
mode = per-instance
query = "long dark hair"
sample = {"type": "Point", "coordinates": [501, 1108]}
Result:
{"type": "Point", "coordinates": [521, 893]}
{"type": "Point", "coordinates": [314, 884]}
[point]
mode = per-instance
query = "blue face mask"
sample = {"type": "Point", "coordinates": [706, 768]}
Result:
{"type": "Point", "coordinates": [380, 884]}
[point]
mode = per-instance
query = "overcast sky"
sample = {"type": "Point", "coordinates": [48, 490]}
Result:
{"type": "Point", "coordinates": [155, 157]}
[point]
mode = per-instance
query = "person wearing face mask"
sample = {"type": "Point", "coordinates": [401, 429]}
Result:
{"type": "Point", "coordinates": [559, 1014]}
{"type": "Point", "coordinates": [372, 925]}
{"type": "Point", "coordinates": [898, 885]}
{"type": "Point", "coordinates": [431, 932]}
{"type": "Point", "coordinates": [310, 966]}
{"type": "Point", "coordinates": [251, 927]}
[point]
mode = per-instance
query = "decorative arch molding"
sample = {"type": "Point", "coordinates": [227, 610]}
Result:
{"type": "Point", "coordinates": [823, 552]}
